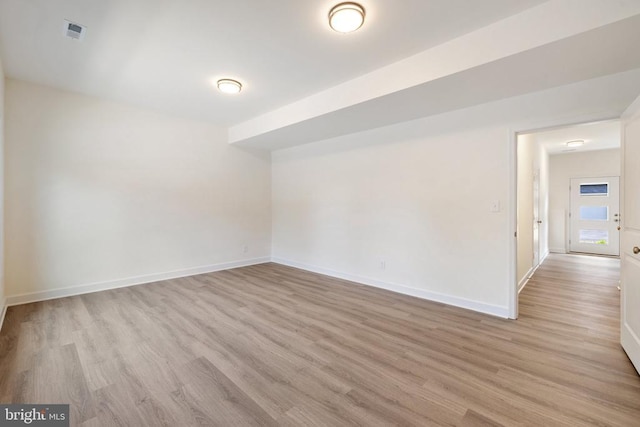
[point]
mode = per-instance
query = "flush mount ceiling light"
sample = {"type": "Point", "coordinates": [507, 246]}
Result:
{"type": "Point", "coordinates": [346, 17]}
{"type": "Point", "coordinates": [575, 143]}
{"type": "Point", "coordinates": [229, 86]}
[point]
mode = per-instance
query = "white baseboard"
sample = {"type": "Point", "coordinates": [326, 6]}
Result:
{"type": "Point", "coordinates": [129, 281]}
{"type": "Point", "coordinates": [543, 257]}
{"type": "Point", "coordinates": [523, 282]}
{"type": "Point", "coordinates": [481, 307]}
{"type": "Point", "coordinates": [558, 250]}
{"type": "Point", "coordinates": [631, 345]}
{"type": "Point", "coordinates": [3, 311]}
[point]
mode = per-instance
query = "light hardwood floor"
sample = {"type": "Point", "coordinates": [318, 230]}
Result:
{"type": "Point", "coordinates": [272, 345]}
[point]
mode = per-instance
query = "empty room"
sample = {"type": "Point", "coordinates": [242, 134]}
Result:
{"type": "Point", "coordinates": [319, 213]}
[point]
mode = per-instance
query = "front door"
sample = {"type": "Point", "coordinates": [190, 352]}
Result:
{"type": "Point", "coordinates": [595, 215]}
{"type": "Point", "coordinates": [630, 283]}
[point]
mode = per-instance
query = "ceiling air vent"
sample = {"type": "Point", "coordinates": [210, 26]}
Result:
{"type": "Point", "coordinates": [74, 31]}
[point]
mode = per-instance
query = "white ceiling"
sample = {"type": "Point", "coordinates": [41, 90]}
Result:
{"type": "Point", "coordinates": [548, 47]}
{"type": "Point", "coordinates": [165, 54]}
{"type": "Point", "coordinates": [597, 136]}
{"type": "Point", "coordinates": [303, 82]}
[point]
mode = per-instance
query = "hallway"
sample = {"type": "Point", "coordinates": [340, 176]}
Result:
{"type": "Point", "coordinates": [570, 314]}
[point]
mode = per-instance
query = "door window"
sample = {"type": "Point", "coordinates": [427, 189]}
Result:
{"type": "Point", "coordinates": [601, 189]}
{"type": "Point", "coordinates": [594, 213]}
{"type": "Point", "coordinates": [594, 237]}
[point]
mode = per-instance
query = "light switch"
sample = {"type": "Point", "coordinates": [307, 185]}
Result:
{"type": "Point", "coordinates": [495, 206]}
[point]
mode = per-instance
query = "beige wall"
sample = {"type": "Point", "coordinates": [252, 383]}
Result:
{"type": "Point", "coordinates": [100, 194]}
{"type": "Point", "coordinates": [541, 163]}
{"type": "Point", "coordinates": [563, 167]}
{"type": "Point", "coordinates": [532, 159]}
{"type": "Point", "coordinates": [526, 150]}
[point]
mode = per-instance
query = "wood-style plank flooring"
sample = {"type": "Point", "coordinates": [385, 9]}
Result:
{"type": "Point", "coordinates": [272, 345]}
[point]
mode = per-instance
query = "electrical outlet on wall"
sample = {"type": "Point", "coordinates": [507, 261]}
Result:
{"type": "Point", "coordinates": [245, 249]}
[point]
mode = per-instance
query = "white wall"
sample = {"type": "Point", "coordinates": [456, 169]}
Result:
{"type": "Point", "coordinates": [418, 200]}
{"type": "Point", "coordinates": [526, 149]}
{"type": "Point", "coordinates": [418, 196]}
{"type": "Point", "coordinates": [563, 167]}
{"type": "Point", "coordinates": [2, 102]}
{"type": "Point", "coordinates": [100, 194]}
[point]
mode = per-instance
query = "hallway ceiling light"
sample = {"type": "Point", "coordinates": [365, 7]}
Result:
{"type": "Point", "coordinates": [229, 86]}
{"type": "Point", "coordinates": [575, 143]}
{"type": "Point", "coordinates": [346, 17]}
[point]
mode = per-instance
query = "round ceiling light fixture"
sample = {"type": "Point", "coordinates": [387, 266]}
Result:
{"type": "Point", "coordinates": [346, 17]}
{"type": "Point", "coordinates": [575, 143]}
{"type": "Point", "coordinates": [229, 86]}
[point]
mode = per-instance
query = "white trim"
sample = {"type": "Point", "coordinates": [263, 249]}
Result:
{"type": "Point", "coordinates": [129, 281]}
{"type": "Point", "coordinates": [512, 226]}
{"type": "Point", "coordinates": [630, 344]}
{"type": "Point", "coordinates": [528, 127]}
{"type": "Point", "coordinates": [523, 282]}
{"type": "Point", "coordinates": [530, 273]}
{"type": "Point", "coordinates": [544, 256]}
{"type": "Point", "coordinates": [495, 310]}
{"type": "Point", "coordinates": [3, 311]}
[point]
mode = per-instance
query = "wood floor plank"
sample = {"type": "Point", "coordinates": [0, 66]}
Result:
{"type": "Point", "coordinates": [274, 345]}
{"type": "Point", "coordinates": [215, 394]}
{"type": "Point", "coordinates": [57, 377]}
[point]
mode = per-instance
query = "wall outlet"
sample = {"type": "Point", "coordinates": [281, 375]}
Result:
{"type": "Point", "coordinates": [245, 249]}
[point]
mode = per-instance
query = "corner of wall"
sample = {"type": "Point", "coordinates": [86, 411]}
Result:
{"type": "Point", "coordinates": [30, 297]}
{"type": "Point", "coordinates": [493, 310]}
{"type": "Point", "coordinates": [200, 205]}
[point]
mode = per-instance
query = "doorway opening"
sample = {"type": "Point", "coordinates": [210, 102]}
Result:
{"type": "Point", "coordinates": [567, 194]}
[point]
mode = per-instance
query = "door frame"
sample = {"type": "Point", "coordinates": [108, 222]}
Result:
{"type": "Point", "coordinates": [512, 205]}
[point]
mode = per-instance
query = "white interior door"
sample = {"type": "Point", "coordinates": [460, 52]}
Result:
{"type": "Point", "coordinates": [630, 280]}
{"type": "Point", "coordinates": [595, 215]}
